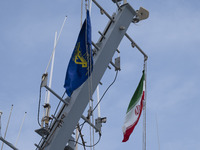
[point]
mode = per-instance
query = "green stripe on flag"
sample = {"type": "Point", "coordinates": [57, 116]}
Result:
{"type": "Point", "coordinates": [137, 94]}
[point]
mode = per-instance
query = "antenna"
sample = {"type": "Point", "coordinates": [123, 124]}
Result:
{"type": "Point", "coordinates": [3, 139]}
{"type": "Point", "coordinates": [47, 105]}
{"type": "Point", "coordinates": [44, 130]}
{"type": "Point", "coordinates": [7, 126]}
{"type": "Point", "coordinates": [20, 129]}
{"type": "Point", "coordinates": [56, 43]}
{"type": "Point", "coordinates": [98, 107]}
{"type": "Point", "coordinates": [0, 122]}
{"type": "Point", "coordinates": [157, 132]}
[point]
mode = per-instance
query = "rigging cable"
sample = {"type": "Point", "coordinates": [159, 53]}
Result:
{"type": "Point", "coordinates": [77, 135]}
{"type": "Point", "coordinates": [80, 134]}
{"type": "Point", "coordinates": [79, 130]}
{"type": "Point", "coordinates": [88, 145]}
{"type": "Point", "coordinates": [82, 124]}
{"type": "Point", "coordinates": [106, 91]}
{"type": "Point", "coordinates": [91, 80]}
{"type": "Point", "coordinates": [39, 103]}
{"type": "Point", "coordinates": [89, 66]}
{"type": "Point", "coordinates": [59, 104]}
{"type": "Point", "coordinates": [57, 108]}
{"type": "Point", "coordinates": [92, 112]}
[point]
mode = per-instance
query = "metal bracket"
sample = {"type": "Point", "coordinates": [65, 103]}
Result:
{"type": "Point", "coordinates": [101, 34]}
{"type": "Point", "coordinates": [135, 45]}
{"type": "Point", "coordinates": [71, 145]}
{"type": "Point", "coordinates": [98, 123]}
{"type": "Point", "coordinates": [42, 131]}
{"type": "Point", "coordinates": [39, 148]}
{"type": "Point", "coordinates": [116, 64]}
{"type": "Point", "coordinates": [66, 103]}
{"type": "Point", "coordinates": [8, 143]}
{"type": "Point", "coordinates": [114, 1]}
{"type": "Point", "coordinates": [44, 80]}
{"type": "Point", "coordinates": [102, 10]}
{"type": "Point", "coordinates": [88, 121]}
{"type": "Point", "coordinates": [141, 14]}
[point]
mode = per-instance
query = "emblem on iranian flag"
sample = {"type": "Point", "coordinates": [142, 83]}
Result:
{"type": "Point", "coordinates": [137, 110]}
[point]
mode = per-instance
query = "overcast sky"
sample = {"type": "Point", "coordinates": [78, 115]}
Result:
{"type": "Point", "coordinates": [170, 37]}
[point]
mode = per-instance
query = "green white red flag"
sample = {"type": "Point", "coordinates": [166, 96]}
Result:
{"type": "Point", "coordinates": [134, 109]}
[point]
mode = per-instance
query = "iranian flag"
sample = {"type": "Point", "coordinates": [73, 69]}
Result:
{"type": "Point", "coordinates": [134, 109]}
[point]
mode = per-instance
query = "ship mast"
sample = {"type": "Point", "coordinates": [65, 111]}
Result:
{"type": "Point", "coordinates": [60, 132]}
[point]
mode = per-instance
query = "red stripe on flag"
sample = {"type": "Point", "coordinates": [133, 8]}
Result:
{"type": "Point", "coordinates": [131, 128]}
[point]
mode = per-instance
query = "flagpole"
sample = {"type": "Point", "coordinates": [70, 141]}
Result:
{"type": "Point", "coordinates": [144, 105]}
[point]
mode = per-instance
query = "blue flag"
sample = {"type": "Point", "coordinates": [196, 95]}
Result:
{"type": "Point", "coordinates": [81, 62]}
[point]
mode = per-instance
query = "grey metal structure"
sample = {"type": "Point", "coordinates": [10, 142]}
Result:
{"type": "Point", "coordinates": [65, 122]}
{"type": "Point", "coordinates": [3, 140]}
{"type": "Point", "coordinates": [8, 143]}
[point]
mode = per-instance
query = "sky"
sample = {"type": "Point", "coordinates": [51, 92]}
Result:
{"type": "Point", "coordinates": [170, 37]}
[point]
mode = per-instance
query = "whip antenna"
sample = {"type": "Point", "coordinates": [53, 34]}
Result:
{"type": "Point", "coordinates": [7, 126]}
{"type": "Point", "coordinates": [20, 129]}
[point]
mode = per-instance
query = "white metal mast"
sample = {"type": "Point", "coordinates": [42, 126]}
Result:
{"type": "Point", "coordinates": [52, 66]}
{"type": "Point", "coordinates": [47, 105]}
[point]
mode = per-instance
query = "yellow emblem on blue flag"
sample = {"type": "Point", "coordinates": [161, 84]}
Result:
{"type": "Point", "coordinates": [81, 62]}
{"type": "Point", "coordinates": [79, 57]}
